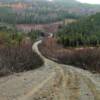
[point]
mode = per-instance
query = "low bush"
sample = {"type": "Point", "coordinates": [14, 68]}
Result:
{"type": "Point", "coordinates": [18, 59]}
{"type": "Point", "coordinates": [86, 58]}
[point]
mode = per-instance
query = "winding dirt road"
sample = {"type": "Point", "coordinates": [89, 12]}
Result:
{"type": "Point", "coordinates": [51, 82]}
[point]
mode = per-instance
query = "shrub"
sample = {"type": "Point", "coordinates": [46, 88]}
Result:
{"type": "Point", "coordinates": [88, 59]}
{"type": "Point", "coordinates": [18, 59]}
{"type": "Point", "coordinates": [85, 58]}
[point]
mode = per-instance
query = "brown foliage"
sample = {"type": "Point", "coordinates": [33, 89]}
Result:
{"type": "Point", "coordinates": [18, 59]}
{"type": "Point", "coordinates": [86, 58]}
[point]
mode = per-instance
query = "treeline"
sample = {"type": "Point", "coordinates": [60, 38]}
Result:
{"type": "Point", "coordinates": [42, 18]}
{"type": "Point", "coordinates": [84, 32]}
{"type": "Point", "coordinates": [10, 35]}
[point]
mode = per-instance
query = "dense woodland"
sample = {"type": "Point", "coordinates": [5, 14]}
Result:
{"type": "Point", "coordinates": [84, 32]}
{"type": "Point", "coordinates": [37, 11]}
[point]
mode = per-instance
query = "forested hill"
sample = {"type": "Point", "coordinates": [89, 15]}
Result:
{"type": "Point", "coordinates": [83, 32]}
{"type": "Point", "coordinates": [42, 11]}
{"type": "Point", "coordinates": [88, 25]}
{"type": "Point", "coordinates": [67, 1]}
{"type": "Point", "coordinates": [74, 5]}
{"type": "Point", "coordinates": [34, 12]}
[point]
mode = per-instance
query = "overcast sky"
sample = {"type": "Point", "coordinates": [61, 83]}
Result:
{"type": "Point", "coordinates": [90, 1]}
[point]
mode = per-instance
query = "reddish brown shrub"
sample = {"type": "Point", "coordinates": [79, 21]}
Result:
{"type": "Point", "coordinates": [86, 58]}
{"type": "Point", "coordinates": [18, 59]}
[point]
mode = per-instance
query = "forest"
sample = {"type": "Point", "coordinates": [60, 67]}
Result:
{"type": "Point", "coordinates": [84, 32]}
{"type": "Point", "coordinates": [37, 12]}
{"type": "Point", "coordinates": [41, 12]}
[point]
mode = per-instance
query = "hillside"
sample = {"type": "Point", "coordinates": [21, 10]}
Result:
{"type": "Point", "coordinates": [33, 12]}
{"type": "Point", "coordinates": [13, 47]}
{"type": "Point", "coordinates": [84, 32]}
{"type": "Point", "coordinates": [37, 11]}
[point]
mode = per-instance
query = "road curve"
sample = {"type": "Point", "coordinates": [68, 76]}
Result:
{"type": "Point", "coordinates": [66, 83]}
{"type": "Point", "coordinates": [53, 81]}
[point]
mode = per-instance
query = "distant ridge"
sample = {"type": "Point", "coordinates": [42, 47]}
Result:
{"type": "Point", "coordinates": [71, 6]}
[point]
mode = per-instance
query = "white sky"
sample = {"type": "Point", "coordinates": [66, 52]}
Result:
{"type": "Point", "coordinates": [90, 1]}
{"type": "Point", "coordinates": [50, 0]}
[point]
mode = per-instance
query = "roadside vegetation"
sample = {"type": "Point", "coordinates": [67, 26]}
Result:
{"type": "Point", "coordinates": [87, 58]}
{"type": "Point", "coordinates": [76, 44]}
{"type": "Point", "coordinates": [16, 53]}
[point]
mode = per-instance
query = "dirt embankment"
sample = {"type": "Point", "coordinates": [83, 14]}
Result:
{"type": "Point", "coordinates": [53, 27]}
{"type": "Point", "coordinates": [50, 28]}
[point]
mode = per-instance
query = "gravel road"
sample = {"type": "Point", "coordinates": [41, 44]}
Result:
{"type": "Point", "coordinates": [51, 82]}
